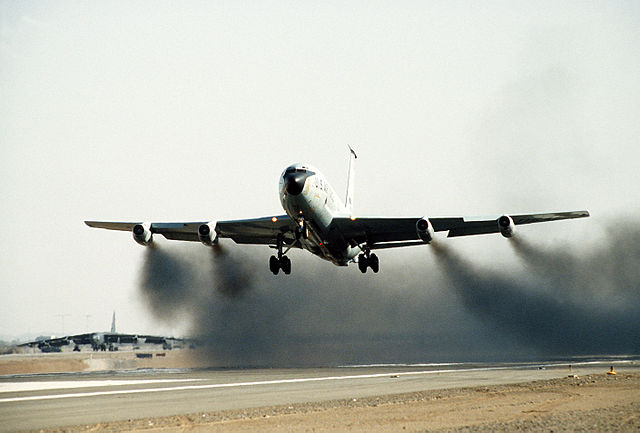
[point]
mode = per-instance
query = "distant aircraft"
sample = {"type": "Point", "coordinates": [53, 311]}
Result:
{"type": "Point", "coordinates": [99, 340]}
{"type": "Point", "coordinates": [318, 221]}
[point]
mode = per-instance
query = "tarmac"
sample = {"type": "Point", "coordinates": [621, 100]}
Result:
{"type": "Point", "coordinates": [40, 401]}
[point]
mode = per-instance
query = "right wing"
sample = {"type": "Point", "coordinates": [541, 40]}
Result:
{"type": "Point", "coordinates": [390, 232]}
{"type": "Point", "coordinates": [259, 231]}
{"type": "Point", "coordinates": [175, 231]}
{"type": "Point", "coordinates": [478, 226]}
{"type": "Point", "coordinates": [52, 342]}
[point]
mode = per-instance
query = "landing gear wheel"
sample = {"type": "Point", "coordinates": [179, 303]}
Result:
{"type": "Point", "coordinates": [374, 263]}
{"type": "Point", "coordinates": [280, 261]}
{"type": "Point", "coordinates": [285, 264]}
{"type": "Point", "coordinates": [363, 263]}
{"type": "Point", "coordinates": [274, 265]}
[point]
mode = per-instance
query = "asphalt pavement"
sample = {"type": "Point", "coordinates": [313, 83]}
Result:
{"type": "Point", "coordinates": [43, 401]}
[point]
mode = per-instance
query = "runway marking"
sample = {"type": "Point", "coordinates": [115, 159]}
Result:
{"type": "Point", "coordinates": [63, 384]}
{"type": "Point", "coordinates": [241, 384]}
{"type": "Point", "coordinates": [281, 381]}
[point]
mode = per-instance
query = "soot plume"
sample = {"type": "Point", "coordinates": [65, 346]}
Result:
{"type": "Point", "coordinates": [318, 315]}
{"type": "Point", "coordinates": [566, 303]}
{"type": "Point", "coordinates": [563, 302]}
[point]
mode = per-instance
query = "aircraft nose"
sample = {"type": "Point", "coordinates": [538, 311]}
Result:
{"type": "Point", "coordinates": [294, 182]}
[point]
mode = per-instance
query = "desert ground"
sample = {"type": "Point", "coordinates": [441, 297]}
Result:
{"type": "Point", "coordinates": [595, 403]}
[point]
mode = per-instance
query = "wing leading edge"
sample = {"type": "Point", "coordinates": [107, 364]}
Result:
{"type": "Point", "coordinates": [377, 232]}
{"type": "Point", "coordinates": [261, 231]}
{"type": "Point", "coordinates": [382, 232]}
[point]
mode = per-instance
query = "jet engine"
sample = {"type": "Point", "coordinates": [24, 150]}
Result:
{"type": "Point", "coordinates": [207, 235]}
{"type": "Point", "coordinates": [425, 230]}
{"type": "Point", "coordinates": [506, 226]}
{"type": "Point", "coordinates": [142, 234]}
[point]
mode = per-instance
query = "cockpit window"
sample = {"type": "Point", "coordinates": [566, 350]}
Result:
{"type": "Point", "coordinates": [299, 170]}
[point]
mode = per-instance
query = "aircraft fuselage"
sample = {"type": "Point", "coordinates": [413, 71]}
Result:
{"type": "Point", "coordinates": [308, 198]}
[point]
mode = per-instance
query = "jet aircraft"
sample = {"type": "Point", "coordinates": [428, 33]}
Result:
{"type": "Point", "coordinates": [318, 221]}
{"type": "Point", "coordinates": [99, 340]}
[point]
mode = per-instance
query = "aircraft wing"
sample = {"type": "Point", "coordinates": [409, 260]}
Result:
{"type": "Point", "coordinates": [262, 230]}
{"type": "Point", "coordinates": [383, 232]}
{"type": "Point", "coordinates": [477, 226]}
{"type": "Point", "coordinates": [59, 341]}
{"type": "Point", "coordinates": [176, 231]}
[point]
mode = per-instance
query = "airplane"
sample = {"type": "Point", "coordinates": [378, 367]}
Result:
{"type": "Point", "coordinates": [318, 221]}
{"type": "Point", "coordinates": [99, 340]}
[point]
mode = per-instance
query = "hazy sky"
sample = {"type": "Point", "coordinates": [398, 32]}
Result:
{"type": "Point", "coordinates": [189, 111]}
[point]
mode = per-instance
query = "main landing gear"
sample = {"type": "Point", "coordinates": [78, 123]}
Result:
{"type": "Point", "coordinates": [368, 260]}
{"type": "Point", "coordinates": [284, 263]}
{"type": "Point", "coordinates": [281, 261]}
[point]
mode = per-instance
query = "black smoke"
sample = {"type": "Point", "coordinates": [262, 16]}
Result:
{"type": "Point", "coordinates": [566, 302]}
{"type": "Point", "coordinates": [427, 304]}
{"type": "Point", "coordinates": [318, 315]}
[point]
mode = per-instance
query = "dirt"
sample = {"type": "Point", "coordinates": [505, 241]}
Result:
{"type": "Point", "coordinates": [590, 403]}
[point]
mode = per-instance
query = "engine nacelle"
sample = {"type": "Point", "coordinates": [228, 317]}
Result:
{"type": "Point", "coordinates": [207, 235]}
{"type": "Point", "coordinates": [424, 230]}
{"type": "Point", "coordinates": [142, 234]}
{"type": "Point", "coordinates": [506, 226]}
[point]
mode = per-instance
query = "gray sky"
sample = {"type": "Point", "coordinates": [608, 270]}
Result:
{"type": "Point", "coordinates": [188, 111]}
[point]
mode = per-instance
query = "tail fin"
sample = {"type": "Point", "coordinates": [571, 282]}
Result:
{"type": "Point", "coordinates": [348, 202]}
{"type": "Point", "coordinates": [113, 323]}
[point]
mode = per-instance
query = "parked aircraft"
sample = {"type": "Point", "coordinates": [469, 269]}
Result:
{"type": "Point", "coordinates": [99, 340]}
{"type": "Point", "coordinates": [318, 221]}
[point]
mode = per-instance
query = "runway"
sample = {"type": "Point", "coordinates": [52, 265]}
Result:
{"type": "Point", "coordinates": [45, 401]}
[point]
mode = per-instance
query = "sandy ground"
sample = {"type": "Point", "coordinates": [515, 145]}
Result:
{"type": "Point", "coordinates": [590, 403]}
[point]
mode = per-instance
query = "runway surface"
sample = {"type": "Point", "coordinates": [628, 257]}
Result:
{"type": "Point", "coordinates": [44, 401]}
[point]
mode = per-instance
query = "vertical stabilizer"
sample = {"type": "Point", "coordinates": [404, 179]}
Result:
{"type": "Point", "coordinates": [348, 202]}
{"type": "Point", "coordinates": [113, 323]}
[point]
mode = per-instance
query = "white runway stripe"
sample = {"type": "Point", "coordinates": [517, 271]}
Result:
{"type": "Point", "coordinates": [71, 384]}
{"type": "Point", "coordinates": [239, 384]}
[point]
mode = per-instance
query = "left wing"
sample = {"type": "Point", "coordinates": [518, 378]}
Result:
{"type": "Point", "coordinates": [381, 232]}
{"type": "Point", "coordinates": [264, 230]}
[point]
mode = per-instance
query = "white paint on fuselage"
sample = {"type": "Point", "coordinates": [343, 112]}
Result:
{"type": "Point", "coordinates": [317, 204]}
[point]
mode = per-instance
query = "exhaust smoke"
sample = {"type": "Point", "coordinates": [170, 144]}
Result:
{"type": "Point", "coordinates": [318, 315]}
{"type": "Point", "coordinates": [564, 302]}
{"type": "Point", "coordinates": [417, 309]}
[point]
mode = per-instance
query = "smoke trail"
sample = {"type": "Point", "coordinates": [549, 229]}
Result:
{"type": "Point", "coordinates": [162, 283]}
{"type": "Point", "coordinates": [414, 310]}
{"type": "Point", "coordinates": [572, 304]}
{"type": "Point", "coordinates": [609, 272]}
{"type": "Point", "coordinates": [319, 315]}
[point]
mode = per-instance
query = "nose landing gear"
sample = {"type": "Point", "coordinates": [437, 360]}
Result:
{"type": "Point", "coordinates": [368, 260]}
{"type": "Point", "coordinates": [303, 229]}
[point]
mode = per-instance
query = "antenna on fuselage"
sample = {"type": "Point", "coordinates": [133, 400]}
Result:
{"type": "Point", "coordinates": [348, 202]}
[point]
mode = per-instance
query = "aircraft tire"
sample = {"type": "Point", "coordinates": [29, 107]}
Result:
{"type": "Point", "coordinates": [374, 263]}
{"type": "Point", "coordinates": [274, 265]}
{"type": "Point", "coordinates": [363, 263]}
{"type": "Point", "coordinates": [285, 264]}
